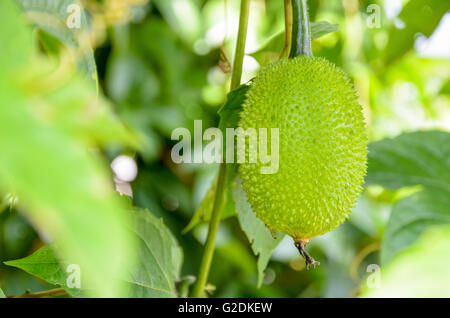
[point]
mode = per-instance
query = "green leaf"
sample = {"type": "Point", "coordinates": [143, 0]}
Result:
{"type": "Point", "coordinates": [45, 264]}
{"type": "Point", "coordinates": [418, 158]}
{"type": "Point", "coordinates": [262, 240]}
{"type": "Point", "coordinates": [204, 210]}
{"type": "Point", "coordinates": [51, 16]}
{"type": "Point", "coordinates": [445, 89]}
{"type": "Point", "coordinates": [230, 111]}
{"type": "Point", "coordinates": [411, 216]}
{"type": "Point", "coordinates": [63, 187]}
{"type": "Point", "coordinates": [154, 273]}
{"type": "Point", "coordinates": [418, 16]}
{"type": "Point", "coordinates": [230, 114]}
{"type": "Point", "coordinates": [423, 270]}
{"type": "Point", "coordinates": [321, 28]}
{"type": "Point", "coordinates": [2, 294]}
{"type": "Point", "coordinates": [270, 52]}
{"type": "Point", "coordinates": [159, 258]}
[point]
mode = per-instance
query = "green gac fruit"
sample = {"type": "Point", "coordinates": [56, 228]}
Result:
{"type": "Point", "coordinates": [322, 147]}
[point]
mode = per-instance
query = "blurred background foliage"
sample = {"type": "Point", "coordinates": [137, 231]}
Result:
{"type": "Point", "coordinates": [164, 63]}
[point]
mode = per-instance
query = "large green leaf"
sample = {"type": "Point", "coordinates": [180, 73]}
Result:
{"type": "Point", "coordinates": [419, 158]}
{"type": "Point", "coordinates": [270, 52]}
{"type": "Point", "coordinates": [51, 16]}
{"type": "Point", "coordinates": [46, 265]}
{"type": "Point", "coordinates": [64, 188]}
{"type": "Point", "coordinates": [159, 258]}
{"type": "Point", "coordinates": [411, 159]}
{"type": "Point", "coordinates": [262, 240]}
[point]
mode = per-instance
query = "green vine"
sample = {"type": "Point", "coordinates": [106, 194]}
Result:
{"type": "Point", "coordinates": [205, 264]}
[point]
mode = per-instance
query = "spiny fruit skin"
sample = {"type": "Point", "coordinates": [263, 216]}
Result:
{"type": "Point", "coordinates": [322, 146]}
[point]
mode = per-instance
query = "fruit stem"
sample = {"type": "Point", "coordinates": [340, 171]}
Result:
{"type": "Point", "coordinates": [300, 244]}
{"type": "Point", "coordinates": [301, 37]}
{"type": "Point", "coordinates": [205, 264]}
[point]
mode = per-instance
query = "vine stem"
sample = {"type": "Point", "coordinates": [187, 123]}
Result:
{"type": "Point", "coordinates": [288, 23]}
{"type": "Point", "coordinates": [240, 44]}
{"type": "Point", "coordinates": [236, 75]}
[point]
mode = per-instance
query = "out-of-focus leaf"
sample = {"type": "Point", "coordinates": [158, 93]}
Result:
{"type": "Point", "coordinates": [236, 252]}
{"type": "Point", "coordinates": [16, 39]}
{"type": "Point", "coordinates": [411, 216]}
{"type": "Point", "coordinates": [64, 189]}
{"type": "Point", "coordinates": [418, 158]}
{"type": "Point", "coordinates": [175, 73]}
{"type": "Point", "coordinates": [418, 16]}
{"type": "Point", "coordinates": [262, 240]}
{"type": "Point", "coordinates": [130, 80]}
{"type": "Point", "coordinates": [183, 16]}
{"type": "Point", "coordinates": [159, 258]}
{"type": "Point", "coordinates": [75, 107]}
{"type": "Point", "coordinates": [2, 294]}
{"type": "Point", "coordinates": [44, 264]}
{"type": "Point", "coordinates": [445, 89]}
{"type": "Point", "coordinates": [270, 52]}
{"type": "Point", "coordinates": [423, 270]}
{"type": "Point", "coordinates": [370, 216]}
{"type": "Point", "coordinates": [52, 16]}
